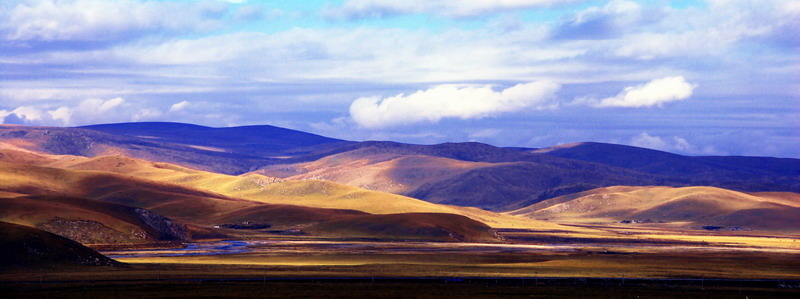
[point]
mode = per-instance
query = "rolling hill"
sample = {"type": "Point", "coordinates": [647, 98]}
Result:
{"type": "Point", "coordinates": [90, 221]}
{"type": "Point", "coordinates": [688, 207]}
{"type": "Point", "coordinates": [224, 150]}
{"type": "Point", "coordinates": [259, 188]}
{"type": "Point", "coordinates": [501, 179]}
{"type": "Point", "coordinates": [433, 173]}
{"type": "Point", "coordinates": [261, 141]}
{"type": "Point", "coordinates": [281, 206]}
{"type": "Point", "coordinates": [734, 172]}
{"type": "Point", "coordinates": [463, 174]}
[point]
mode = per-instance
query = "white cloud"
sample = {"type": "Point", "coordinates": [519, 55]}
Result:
{"type": "Point", "coordinates": [451, 101]}
{"type": "Point", "coordinates": [62, 114]}
{"type": "Point", "coordinates": [89, 111]}
{"type": "Point", "coordinates": [145, 114]}
{"type": "Point", "coordinates": [655, 93]}
{"type": "Point", "coordinates": [98, 106]}
{"type": "Point", "coordinates": [675, 144]}
{"type": "Point", "coordinates": [602, 22]}
{"type": "Point", "coordinates": [358, 9]}
{"type": "Point", "coordinates": [22, 115]}
{"type": "Point", "coordinates": [178, 106]}
{"type": "Point", "coordinates": [712, 31]}
{"type": "Point", "coordinates": [651, 142]}
{"type": "Point", "coordinates": [29, 112]}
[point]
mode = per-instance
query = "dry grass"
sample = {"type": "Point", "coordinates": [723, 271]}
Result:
{"type": "Point", "coordinates": [692, 206]}
{"type": "Point", "coordinates": [253, 187]}
{"type": "Point", "coordinates": [474, 260]}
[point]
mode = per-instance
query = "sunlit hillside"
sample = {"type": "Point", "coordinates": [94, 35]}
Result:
{"type": "Point", "coordinates": [694, 207]}
{"type": "Point", "coordinates": [259, 188]}
{"type": "Point", "coordinates": [385, 172]}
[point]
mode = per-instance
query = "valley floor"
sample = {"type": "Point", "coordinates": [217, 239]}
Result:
{"type": "Point", "coordinates": [405, 288]}
{"type": "Point", "coordinates": [646, 263]}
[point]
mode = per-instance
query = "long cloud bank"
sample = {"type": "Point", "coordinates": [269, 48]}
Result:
{"type": "Point", "coordinates": [451, 101]}
{"type": "Point", "coordinates": [471, 102]}
{"type": "Point", "coordinates": [359, 9]}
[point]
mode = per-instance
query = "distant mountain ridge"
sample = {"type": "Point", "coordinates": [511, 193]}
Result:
{"type": "Point", "coordinates": [464, 174]}
{"type": "Point", "coordinates": [260, 141]}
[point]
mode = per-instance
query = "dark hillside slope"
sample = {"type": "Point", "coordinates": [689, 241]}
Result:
{"type": "Point", "coordinates": [263, 141]}
{"type": "Point", "coordinates": [738, 173]}
{"type": "Point", "coordinates": [464, 151]}
{"type": "Point", "coordinates": [515, 177]}
{"type": "Point", "coordinates": [510, 186]}
{"type": "Point", "coordinates": [91, 143]}
{"type": "Point", "coordinates": [518, 177]}
{"type": "Point", "coordinates": [198, 210]}
{"type": "Point", "coordinates": [224, 150]}
{"type": "Point", "coordinates": [90, 221]}
{"type": "Point", "coordinates": [22, 246]}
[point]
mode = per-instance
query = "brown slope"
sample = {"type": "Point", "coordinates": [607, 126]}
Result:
{"type": "Point", "coordinates": [22, 246]}
{"type": "Point", "coordinates": [417, 171]}
{"type": "Point", "coordinates": [90, 221]}
{"type": "Point", "coordinates": [91, 143]}
{"type": "Point", "coordinates": [689, 206]}
{"type": "Point", "coordinates": [309, 193]}
{"type": "Point", "coordinates": [435, 226]}
{"type": "Point", "coordinates": [372, 169]}
{"type": "Point", "coordinates": [187, 205]}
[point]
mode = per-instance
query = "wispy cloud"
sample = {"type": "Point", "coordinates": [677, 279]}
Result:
{"type": "Point", "coordinates": [93, 20]}
{"type": "Point", "coordinates": [359, 9]}
{"type": "Point", "coordinates": [675, 144]}
{"type": "Point", "coordinates": [451, 101]}
{"type": "Point", "coordinates": [610, 21]}
{"type": "Point", "coordinates": [237, 62]}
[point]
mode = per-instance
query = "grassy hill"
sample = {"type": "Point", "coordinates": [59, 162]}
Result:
{"type": "Point", "coordinates": [690, 207]}
{"type": "Point", "coordinates": [259, 188]}
{"type": "Point", "coordinates": [203, 199]}
{"type": "Point", "coordinates": [501, 179]}
{"type": "Point", "coordinates": [464, 174]}
{"type": "Point", "coordinates": [261, 141]}
{"type": "Point", "coordinates": [740, 173]}
{"type": "Point", "coordinates": [403, 169]}
{"type": "Point", "coordinates": [90, 221]}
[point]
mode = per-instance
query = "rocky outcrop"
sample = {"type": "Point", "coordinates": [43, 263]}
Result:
{"type": "Point", "coordinates": [92, 232]}
{"type": "Point", "coordinates": [165, 227]}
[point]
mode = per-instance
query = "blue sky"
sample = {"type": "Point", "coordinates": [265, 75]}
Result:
{"type": "Point", "coordinates": [692, 77]}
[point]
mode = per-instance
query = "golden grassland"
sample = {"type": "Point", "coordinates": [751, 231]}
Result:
{"type": "Point", "coordinates": [646, 254]}
{"type": "Point", "coordinates": [471, 260]}
{"type": "Point", "coordinates": [371, 169]}
{"type": "Point", "coordinates": [57, 171]}
{"type": "Point", "coordinates": [584, 263]}
{"type": "Point", "coordinates": [569, 246]}
{"type": "Point", "coordinates": [684, 208]}
{"type": "Point", "coordinates": [206, 208]}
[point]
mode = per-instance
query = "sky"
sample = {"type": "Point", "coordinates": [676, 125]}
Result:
{"type": "Point", "coordinates": [692, 77]}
